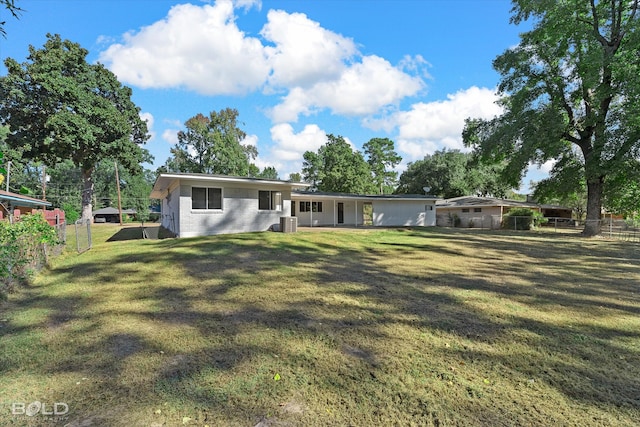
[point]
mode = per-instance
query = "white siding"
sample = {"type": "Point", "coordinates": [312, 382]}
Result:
{"type": "Point", "coordinates": [171, 211]}
{"type": "Point", "coordinates": [329, 214]}
{"type": "Point", "coordinates": [239, 211]}
{"type": "Point", "coordinates": [393, 213]}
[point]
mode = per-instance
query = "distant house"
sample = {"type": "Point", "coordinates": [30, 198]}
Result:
{"type": "Point", "coordinates": [488, 212]}
{"type": "Point", "coordinates": [11, 202]}
{"type": "Point", "coordinates": [110, 214]}
{"type": "Point", "coordinates": [201, 204]}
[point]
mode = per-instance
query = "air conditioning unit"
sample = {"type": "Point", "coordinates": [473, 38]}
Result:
{"type": "Point", "coordinates": [288, 224]}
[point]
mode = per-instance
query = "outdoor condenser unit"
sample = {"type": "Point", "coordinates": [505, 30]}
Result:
{"type": "Point", "coordinates": [288, 224]}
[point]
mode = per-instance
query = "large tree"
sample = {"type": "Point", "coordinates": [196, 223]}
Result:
{"type": "Point", "coordinates": [58, 107]}
{"type": "Point", "coordinates": [212, 144]}
{"type": "Point", "coordinates": [382, 158]}
{"type": "Point", "coordinates": [336, 167]}
{"type": "Point", "coordinates": [569, 92]}
{"type": "Point", "coordinates": [452, 173]}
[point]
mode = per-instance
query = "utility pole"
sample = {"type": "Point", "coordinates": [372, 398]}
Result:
{"type": "Point", "coordinates": [119, 200]}
{"type": "Point", "coordinates": [8, 173]}
{"type": "Point", "coordinates": [44, 182]}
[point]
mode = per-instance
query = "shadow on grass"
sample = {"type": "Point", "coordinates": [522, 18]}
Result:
{"type": "Point", "coordinates": [342, 299]}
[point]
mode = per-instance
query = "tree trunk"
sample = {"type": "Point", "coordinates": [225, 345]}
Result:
{"type": "Point", "coordinates": [594, 207]}
{"type": "Point", "coordinates": [87, 194]}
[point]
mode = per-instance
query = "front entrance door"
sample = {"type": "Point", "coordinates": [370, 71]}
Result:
{"type": "Point", "coordinates": [340, 213]}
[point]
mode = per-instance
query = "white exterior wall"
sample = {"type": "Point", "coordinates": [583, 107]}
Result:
{"type": "Point", "coordinates": [329, 214]}
{"type": "Point", "coordinates": [393, 213]}
{"type": "Point", "coordinates": [239, 211]}
{"type": "Point", "coordinates": [171, 210]}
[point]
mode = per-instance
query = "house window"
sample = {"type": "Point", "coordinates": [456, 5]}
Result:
{"type": "Point", "coordinates": [206, 198]}
{"type": "Point", "coordinates": [465, 210]}
{"type": "Point", "coordinates": [310, 206]}
{"type": "Point", "coordinates": [477, 209]}
{"type": "Point", "coordinates": [269, 200]}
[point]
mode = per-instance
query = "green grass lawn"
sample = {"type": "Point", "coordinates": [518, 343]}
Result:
{"type": "Point", "coordinates": [361, 327]}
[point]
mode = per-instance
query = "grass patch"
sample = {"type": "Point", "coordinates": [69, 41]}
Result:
{"type": "Point", "coordinates": [362, 327]}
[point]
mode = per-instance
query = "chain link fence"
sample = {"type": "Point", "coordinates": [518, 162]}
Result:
{"type": "Point", "coordinates": [83, 235]}
{"type": "Point", "coordinates": [618, 229]}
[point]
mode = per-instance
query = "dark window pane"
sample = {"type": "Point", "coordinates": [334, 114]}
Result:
{"type": "Point", "coordinates": [264, 200]}
{"type": "Point", "coordinates": [215, 198]}
{"type": "Point", "coordinates": [198, 198]}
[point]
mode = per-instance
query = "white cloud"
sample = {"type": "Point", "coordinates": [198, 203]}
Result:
{"type": "Point", "coordinates": [428, 127]}
{"type": "Point", "coordinates": [288, 148]}
{"type": "Point", "coordinates": [148, 117]}
{"type": "Point", "coordinates": [170, 135]}
{"type": "Point", "coordinates": [202, 49]}
{"type": "Point", "coordinates": [363, 88]}
{"type": "Point", "coordinates": [198, 48]}
{"type": "Point", "coordinates": [304, 52]}
{"type": "Point", "coordinates": [247, 4]}
{"type": "Point", "coordinates": [291, 146]}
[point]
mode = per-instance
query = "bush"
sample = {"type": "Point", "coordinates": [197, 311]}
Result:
{"type": "Point", "coordinates": [71, 214]}
{"type": "Point", "coordinates": [454, 220]}
{"type": "Point", "coordinates": [23, 249]}
{"type": "Point", "coordinates": [523, 219]}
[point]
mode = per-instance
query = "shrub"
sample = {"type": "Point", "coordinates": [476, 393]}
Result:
{"type": "Point", "coordinates": [71, 214]}
{"type": "Point", "coordinates": [523, 219]}
{"type": "Point", "coordinates": [454, 220]}
{"type": "Point", "coordinates": [23, 248]}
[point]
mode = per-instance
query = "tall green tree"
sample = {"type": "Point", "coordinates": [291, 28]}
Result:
{"type": "Point", "coordinates": [572, 81]}
{"type": "Point", "coordinates": [295, 177]}
{"type": "Point", "coordinates": [312, 168]}
{"type": "Point", "coordinates": [622, 190]}
{"type": "Point", "coordinates": [337, 168]}
{"type": "Point", "coordinates": [452, 173]}
{"type": "Point", "coordinates": [382, 158]}
{"type": "Point", "coordinates": [212, 144]}
{"type": "Point", "coordinates": [565, 186]}
{"type": "Point", "coordinates": [443, 173]}
{"type": "Point", "coordinates": [58, 106]}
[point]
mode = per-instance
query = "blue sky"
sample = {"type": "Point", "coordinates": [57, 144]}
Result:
{"type": "Point", "coordinates": [296, 70]}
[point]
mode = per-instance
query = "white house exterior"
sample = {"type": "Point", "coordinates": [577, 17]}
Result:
{"type": "Point", "coordinates": [315, 209]}
{"type": "Point", "coordinates": [201, 204]}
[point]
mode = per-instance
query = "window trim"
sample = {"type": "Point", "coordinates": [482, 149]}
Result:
{"type": "Point", "coordinates": [276, 202]}
{"type": "Point", "coordinates": [309, 206]}
{"type": "Point", "coordinates": [206, 199]}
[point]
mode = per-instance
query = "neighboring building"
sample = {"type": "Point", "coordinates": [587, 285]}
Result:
{"type": "Point", "coordinates": [487, 212]}
{"type": "Point", "coordinates": [391, 210]}
{"type": "Point", "coordinates": [111, 214]}
{"type": "Point", "coordinates": [201, 204]}
{"type": "Point", "coordinates": [10, 202]}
